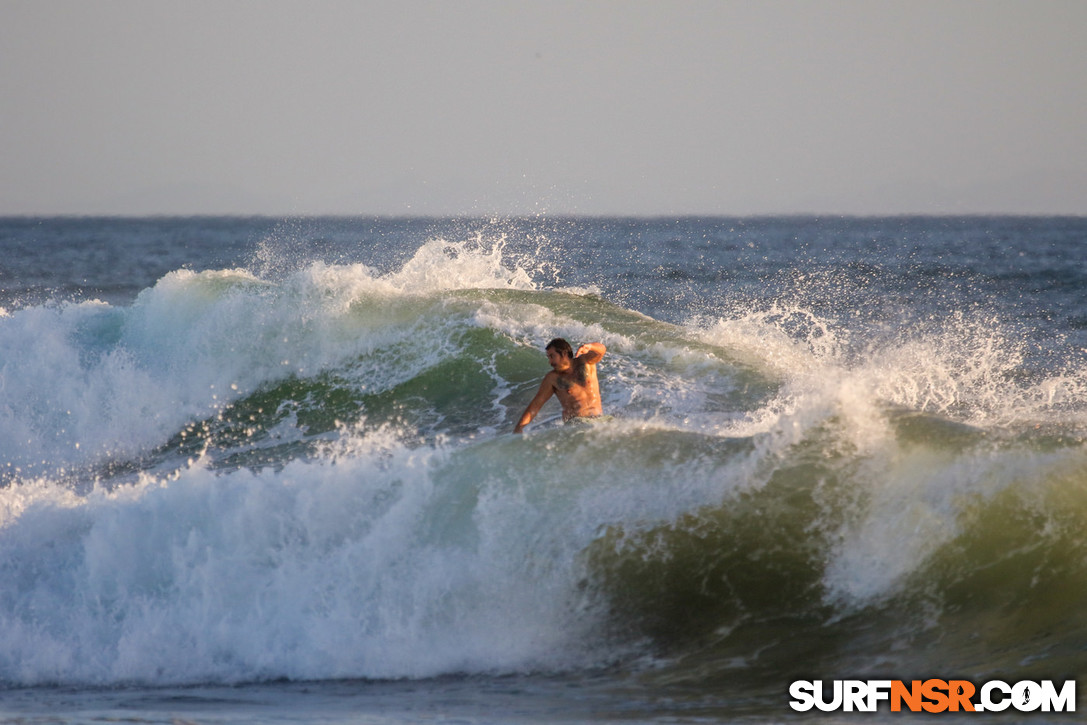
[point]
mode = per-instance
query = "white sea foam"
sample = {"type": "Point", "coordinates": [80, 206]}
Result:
{"type": "Point", "coordinates": [379, 559]}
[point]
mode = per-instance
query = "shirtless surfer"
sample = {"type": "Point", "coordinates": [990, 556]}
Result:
{"type": "Point", "coordinates": [572, 379]}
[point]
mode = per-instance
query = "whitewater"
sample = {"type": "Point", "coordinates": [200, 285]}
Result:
{"type": "Point", "coordinates": [255, 466]}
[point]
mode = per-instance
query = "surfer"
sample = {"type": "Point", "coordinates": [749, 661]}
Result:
{"type": "Point", "coordinates": [572, 379]}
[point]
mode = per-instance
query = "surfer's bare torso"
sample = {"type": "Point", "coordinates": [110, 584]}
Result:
{"type": "Point", "coordinates": [577, 390]}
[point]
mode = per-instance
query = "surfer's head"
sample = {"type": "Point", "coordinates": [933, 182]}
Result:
{"type": "Point", "coordinates": [560, 346]}
{"type": "Point", "coordinates": [559, 354]}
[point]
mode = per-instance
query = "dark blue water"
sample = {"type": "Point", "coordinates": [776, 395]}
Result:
{"type": "Point", "coordinates": [1029, 266]}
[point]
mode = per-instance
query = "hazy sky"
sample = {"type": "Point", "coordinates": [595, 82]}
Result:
{"type": "Point", "coordinates": [523, 106]}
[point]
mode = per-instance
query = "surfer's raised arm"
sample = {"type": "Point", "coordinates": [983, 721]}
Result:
{"type": "Point", "coordinates": [591, 353]}
{"type": "Point", "coordinates": [572, 379]}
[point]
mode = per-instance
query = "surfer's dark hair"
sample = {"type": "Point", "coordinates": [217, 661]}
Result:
{"type": "Point", "coordinates": [560, 346]}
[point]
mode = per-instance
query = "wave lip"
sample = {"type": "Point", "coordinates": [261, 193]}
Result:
{"type": "Point", "coordinates": [91, 381]}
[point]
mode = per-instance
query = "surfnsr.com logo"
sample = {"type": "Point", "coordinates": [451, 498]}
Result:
{"type": "Point", "coordinates": [932, 696]}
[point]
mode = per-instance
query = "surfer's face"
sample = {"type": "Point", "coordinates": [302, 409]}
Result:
{"type": "Point", "coordinates": [559, 362]}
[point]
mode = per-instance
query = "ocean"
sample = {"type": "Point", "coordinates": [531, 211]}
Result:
{"type": "Point", "coordinates": [262, 470]}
